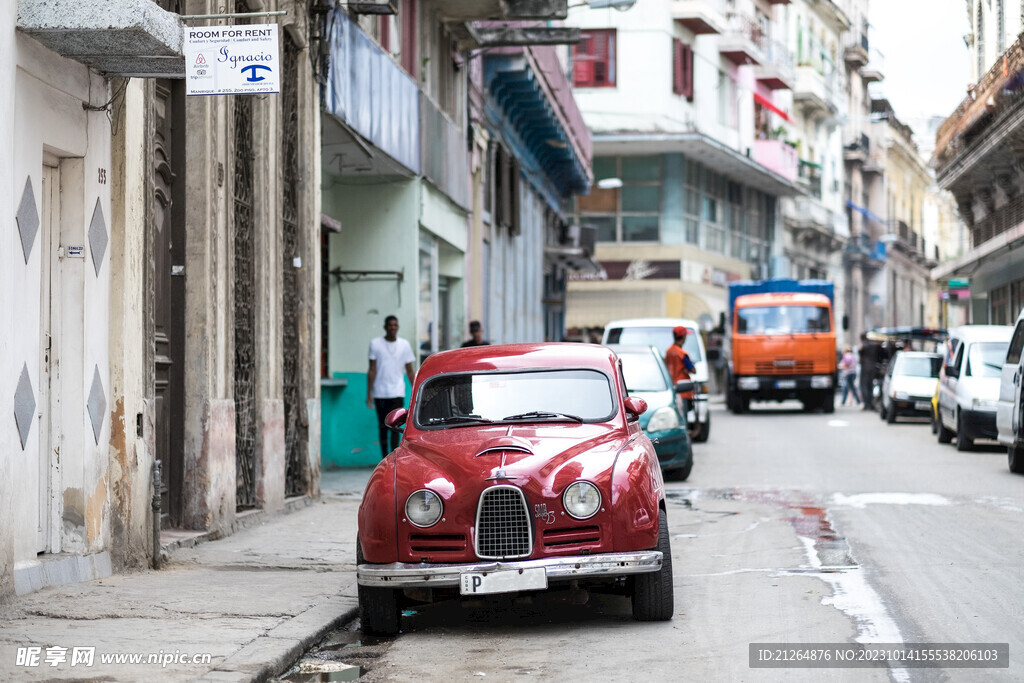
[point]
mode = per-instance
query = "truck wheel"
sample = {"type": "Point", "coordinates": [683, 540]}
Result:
{"type": "Point", "coordinates": [828, 401]}
{"type": "Point", "coordinates": [378, 607]}
{"type": "Point", "coordinates": [1015, 455]}
{"type": "Point", "coordinates": [652, 592]}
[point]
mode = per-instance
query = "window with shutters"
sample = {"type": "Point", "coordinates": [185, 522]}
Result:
{"type": "Point", "coordinates": [682, 69]}
{"type": "Point", "coordinates": [593, 59]}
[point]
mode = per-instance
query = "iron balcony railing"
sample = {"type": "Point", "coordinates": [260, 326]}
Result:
{"type": "Point", "coordinates": [1010, 215]}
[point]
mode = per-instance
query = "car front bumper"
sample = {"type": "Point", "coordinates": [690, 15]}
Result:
{"type": "Point", "coordinates": [606, 565]}
{"type": "Point", "coordinates": [980, 424]}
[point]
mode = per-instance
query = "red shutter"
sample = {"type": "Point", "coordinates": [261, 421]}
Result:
{"type": "Point", "coordinates": [583, 63]}
{"type": "Point", "coordinates": [677, 66]}
{"type": "Point", "coordinates": [594, 59]}
{"type": "Point", "coordinates": [407, 18]}
{"type": "Point", "coordinates": [686, 59]}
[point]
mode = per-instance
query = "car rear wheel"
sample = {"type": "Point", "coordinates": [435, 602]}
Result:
{"type": "Point", "coordinates": [378, 607]}
{"type": "Point", "coordinates": [653, 599]}
{"type": "Point", "coordinates": [890, 413]}
{"type": "Point", "coordinates": [963, 441]}
{"type": "Point", "coordinates": [1015, 455]}
{"type": "Point", "coordinates": [945, 435]}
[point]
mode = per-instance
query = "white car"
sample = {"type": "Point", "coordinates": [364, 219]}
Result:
{"type": "Point", "coordinates": [969, 383]}
{"type": "Point", "coordinates": [909, 384]}
{"type": "Point", "coordinates": [1008, 408]}
{"type": "Point", "coordinates": [657, 332]}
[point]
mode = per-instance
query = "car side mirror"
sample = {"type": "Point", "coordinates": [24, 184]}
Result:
{"type": "Point", "coordinates": [396, 418]}
{"type": "Point", "coordinates": [635, 407]}
{"type": "Point", "coordinates": [683, 386]}
{"type": "Point", "coordinates": [714, 355]}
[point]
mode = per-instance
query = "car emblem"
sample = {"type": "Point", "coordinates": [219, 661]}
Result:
{"type": "Point", "coordinates": [500, 475]}
{"type": "Point", "coordinates": [540, 511]}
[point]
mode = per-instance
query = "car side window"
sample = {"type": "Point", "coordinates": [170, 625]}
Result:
{"type": "Point", "coordinates": [958, 360]}
{"type": "Point", "coordinates": [1013, 351]}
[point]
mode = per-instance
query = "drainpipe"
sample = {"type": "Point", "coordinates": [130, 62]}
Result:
{"type": "Point", "coordinates": [157, 485]}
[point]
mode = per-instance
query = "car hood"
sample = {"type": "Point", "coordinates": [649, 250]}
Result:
{"type": "Point", "coordinates": [545, 458]}
{"type": "Point", "coordinates": [915, 386]}
{"type": "Point", "coordinates": [655, 401]}
{"type": "Point", "coordinates": [982, 388]}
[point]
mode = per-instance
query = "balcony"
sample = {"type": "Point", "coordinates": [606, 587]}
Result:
{"type": "Point", "coordinates": [133, 38]}
{"type": "Point", "coordinates": [862, 251]}
{"type": "Point", "coordinates": [810, 178]}
{"type": "Point", "coordinates": [814, 93]}
{"type": "Point", "coordinates": [874, 70]}
{"type": "Point", "coordinates": [832, 14]}
{"type": "Point", "coordinates": [855, 54]}
{"type": "Point", "coordinates": [857, 150]}
{"type": "Point", "coordinates": [743, 41]}
{"type": "Point", "coordinates": [777, 156]}
{"type": "Point", "coordinates": [500, 10]}
{"type": "Point", "coordinates": [443, 159]}
{"type": "Point", "coordinates": [875, 163]}
{"type": "Point", "coordinates": [1010, 215]}
{"type": "Point", "coordinates": [811, 224]}
{"type": "Point", "coordinates": [701, 17]}
{"type": "Point", "coordinates": [776, 73]}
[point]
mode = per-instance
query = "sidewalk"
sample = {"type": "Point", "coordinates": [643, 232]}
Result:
{"type": "Point", "coordinates": [252, 601]}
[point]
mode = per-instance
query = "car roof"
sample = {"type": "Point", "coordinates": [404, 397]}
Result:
{"type": "Point", "coordinates": [652, 322]}
{"type": "Point", "coordinates": [973, 333]}
{"type": "Point", "coordinates": [519, 357]}
{"type": "Point", "coordinates": [918, 354]}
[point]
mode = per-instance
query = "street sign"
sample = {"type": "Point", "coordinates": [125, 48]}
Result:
{"type": "Point", "coordinates": [232, 60]}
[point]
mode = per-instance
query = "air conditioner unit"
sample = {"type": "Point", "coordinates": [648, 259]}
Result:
{"type": "Point", "coordinates": [373, 6]}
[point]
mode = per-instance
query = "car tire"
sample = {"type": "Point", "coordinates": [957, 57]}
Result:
{"type": "Point", "coordinates": [378, 607]}
{"type": "Point", "coordinates": [963, 441]}
{"type": "Point", "coordinates": [653, 599]}
{"type": "Point", "coordinates": [935, 423]}
{"type": "Point", "coordinates": [944, 435]}
{"type": "Point", "coordinates": [681, 474]}
{"type": "Point", "coordinates": [890, 413]}
{"type": "Point", "coordinates": [703, 430]}
{"type": "Point", "coordinates": [1015, 458]}
{"type": "Point", "coordinates": [881, 409]}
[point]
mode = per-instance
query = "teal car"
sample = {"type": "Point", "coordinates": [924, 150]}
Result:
{"type": "Point", "coordinates": [647, 377]}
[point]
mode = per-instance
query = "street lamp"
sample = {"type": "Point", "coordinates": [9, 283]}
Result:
{"type": "Point", "coordinates": [609, 183]}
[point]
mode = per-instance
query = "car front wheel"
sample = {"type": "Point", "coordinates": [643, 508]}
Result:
{"type": "Point", "coordinates": [1015, 455]}
{"type": "Point", "coordinates": [944, 435]}
{"type": "Point", "coordinates": [378, 607]}
{"type": "Point", "coordinates": [652, 592]}
{"type": "Point", "coordinates": [963, 440]}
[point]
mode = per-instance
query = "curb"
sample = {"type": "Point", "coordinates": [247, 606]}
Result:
{"type": "Point", "coordinates": [276, 650]}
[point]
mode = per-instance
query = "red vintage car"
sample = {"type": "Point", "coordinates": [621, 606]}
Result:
{"type": "Point", "coordinates": [521, 468]}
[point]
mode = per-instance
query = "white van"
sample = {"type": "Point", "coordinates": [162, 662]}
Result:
{"type": "Point", "coordinates": [1010, 431]}
{"type": "Point", "coordinates": [969, 383]}
{"type": "Point", "coordinates": [657, 332]}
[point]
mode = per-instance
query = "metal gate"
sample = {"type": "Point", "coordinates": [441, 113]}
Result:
{"type": "Point", "coordinates": [244, 306]}
{"type": "Point", "coordinates": [295, 431]}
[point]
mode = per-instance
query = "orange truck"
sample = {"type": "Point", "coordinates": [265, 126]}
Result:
{"type": "Point", "coordinates": [782, 343]}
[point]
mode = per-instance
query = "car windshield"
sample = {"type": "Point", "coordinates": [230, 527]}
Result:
{"type": "Point", "coordinates": [918, 366]}
{"type": "Point", "coordinates": [643, 372]}
{"type": "Point", "coordinates": [986, 359]}
{"type": "Point", "coordinates": [782, 320]}
{"type": "Point", "coordinates": [532, 395]}
{"type": "Point", "coordinates": [658, 337]}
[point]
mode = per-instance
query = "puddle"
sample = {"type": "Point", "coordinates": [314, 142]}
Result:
{"type": "Point", "coordinates": [310, 671]}
{"type": "Point", "coordinates": [862, 500]}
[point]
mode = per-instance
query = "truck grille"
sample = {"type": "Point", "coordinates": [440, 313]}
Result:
{"type": "Point", "coordinates": [787, 367]}
{"type": "Point", "coordinates": [503, 527]}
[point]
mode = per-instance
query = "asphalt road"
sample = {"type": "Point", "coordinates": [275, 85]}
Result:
{"type": "Point", "coordinates": [793, 528]}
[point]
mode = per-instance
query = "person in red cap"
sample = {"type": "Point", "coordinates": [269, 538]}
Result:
{"type": "Point", "coordinates": [679, 364]}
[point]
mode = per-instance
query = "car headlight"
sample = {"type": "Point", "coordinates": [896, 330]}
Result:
{"type": "Point", "coordinates": [901, 396]}
{"type": "Point", "coordinates": [423, 508]}
{"type": "Point", "coordinates": [582, 500]}
{"type": "Point", "coordinates": [983, 403]}
{"type": "Point", "coordinates": [662, 419]}
{"type": "Point", "coordinates": [821, 381]}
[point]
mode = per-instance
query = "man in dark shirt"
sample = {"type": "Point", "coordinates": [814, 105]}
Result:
{"type": "Point", "coordinates": [476, 334]}
{"type": "Point", "coordinates": [870, 354]}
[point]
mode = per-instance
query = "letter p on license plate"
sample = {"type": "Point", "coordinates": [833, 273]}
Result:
{"type": "Point", "coordinates": [503, 581]}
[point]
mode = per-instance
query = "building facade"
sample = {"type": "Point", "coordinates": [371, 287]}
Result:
{"type": "Point", "coordinates": [163, 254]}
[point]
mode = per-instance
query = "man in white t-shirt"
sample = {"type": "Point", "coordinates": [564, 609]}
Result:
{"type": "Point", "coordinates": [385, 388]}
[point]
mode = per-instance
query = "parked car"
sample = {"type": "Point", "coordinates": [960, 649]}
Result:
{"type": "Point", "coordinates": [1009, 425]}
{"type": "Point", "coordinates": [522, 468]}
{"type": "Point", "coordinates": [657, 332]}
{"type": "Point", "coordinates": [909, 384]}
{"type": "Point", "coordinates": [646, 377]}
{"type": "Point", "coordinates": [969, 383]}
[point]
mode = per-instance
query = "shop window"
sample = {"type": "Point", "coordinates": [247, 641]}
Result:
{"type": "Point", "coordinates": [593, 59]}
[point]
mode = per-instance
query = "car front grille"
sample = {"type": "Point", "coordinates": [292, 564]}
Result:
{"type": "Point", "coordinates": [503, 528]}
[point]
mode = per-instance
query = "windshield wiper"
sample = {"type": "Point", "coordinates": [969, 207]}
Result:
{"type": "Point", "coordinates": [543, 415]}
{"type": "Point", "coordinates": [459, 419]}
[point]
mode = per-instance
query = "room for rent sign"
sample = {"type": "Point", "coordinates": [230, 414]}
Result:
{"type": "Point", "coordinates": [232, 60]}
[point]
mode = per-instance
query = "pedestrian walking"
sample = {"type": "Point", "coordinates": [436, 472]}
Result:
{"type": "Point", "coordinates": [476, 335]}
{"type": "Point", "coordinates": [870, 355]}
{"type": "Point", "coordinates": [848, 371]}
{"type": "Point", "coordinates": [385, 388]}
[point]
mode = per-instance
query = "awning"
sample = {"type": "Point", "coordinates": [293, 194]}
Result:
{"type": "Point", "coordinates": [767, 104]}
{"type": "Point", "coordinates": [864, 212]}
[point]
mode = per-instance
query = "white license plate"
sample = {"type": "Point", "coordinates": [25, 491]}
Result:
{"type": "Point", "coordinates": [923, 405]}
{"type": "Point", "coordinates": [504, 581]}
{"type": "Point", "coordinates": [785, 384]}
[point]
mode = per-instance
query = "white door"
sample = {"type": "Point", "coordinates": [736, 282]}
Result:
{"type": "Point", "coordinates": [49, 229]}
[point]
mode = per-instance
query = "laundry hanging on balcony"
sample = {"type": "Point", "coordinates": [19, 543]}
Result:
{"type": "Point", "coordinates": [767, 104]}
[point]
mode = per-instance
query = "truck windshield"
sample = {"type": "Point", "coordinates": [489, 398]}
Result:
{"type": "Point", "coordinates": [782, 320]}
{"type": "Point", "coordinates": [658, 337]}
